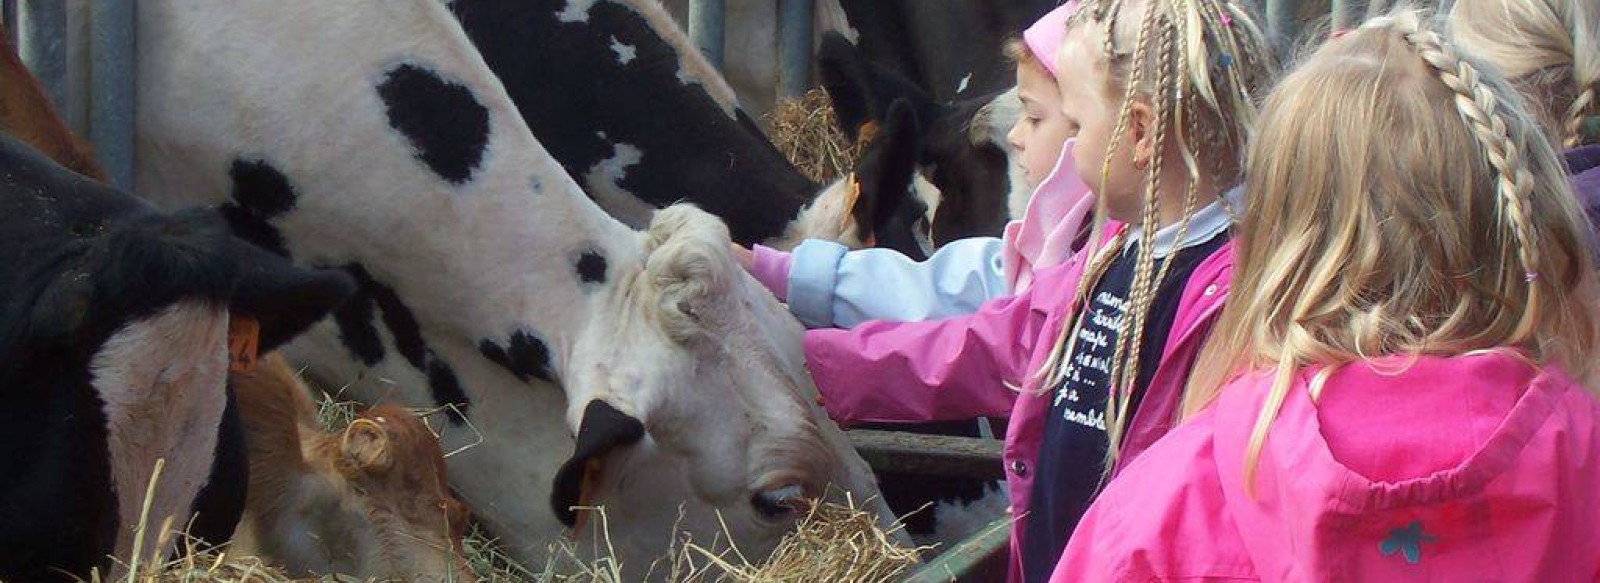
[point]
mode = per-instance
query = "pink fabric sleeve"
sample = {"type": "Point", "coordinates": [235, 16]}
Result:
{"type": "Point", "coordinates": [771, 268]}
{"type": "Point", "coordinates": [956, 368]}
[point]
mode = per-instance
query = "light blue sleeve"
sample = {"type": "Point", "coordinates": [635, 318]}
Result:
{"type": "Point", "coordinates": [833, 287]}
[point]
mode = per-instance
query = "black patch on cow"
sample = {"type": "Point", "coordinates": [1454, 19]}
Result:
{"type": "Point", "coordinates": [260, 193]}
{"type": "Point", "coordinates": [446, 389]}
{"type": "Point", "coordinates": [581, 102]}
{"type": "Point", "coordinates": [592, 267]}
{"type": "Point", "coordinates": [526, 356]}
{"type": "Point", "coordinates": [444, 122]}
{"type": "Point", "coordinates": [602, 430]}
{"type": "Point", "coordinates": [358, 330]}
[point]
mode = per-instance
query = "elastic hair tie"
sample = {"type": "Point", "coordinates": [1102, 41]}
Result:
{"type": "Point", "coordinates": [1531, 276]}
{"type": "Point", "coordinates": [1338, 33]}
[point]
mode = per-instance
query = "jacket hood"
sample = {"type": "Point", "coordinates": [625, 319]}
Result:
{"type": "Point", "coordinates": [1425, 468]}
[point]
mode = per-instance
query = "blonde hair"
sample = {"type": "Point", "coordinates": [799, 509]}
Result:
{"type": "Point", "coordinates": [1197, 63]}
{"type": "Point", "coordinates": [1549, 48]}
{"type": "Point", "coordinates": [1402, 202]}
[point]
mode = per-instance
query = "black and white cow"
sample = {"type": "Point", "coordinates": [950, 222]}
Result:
{"type": "Point", "coordinates": [373, 137]}
{"type": "Point", "coordinates": [114, 352]}
{"type": "Point", "coordinates": [616, 92]}
{"type": "Point", "coordinates": [952, 49]}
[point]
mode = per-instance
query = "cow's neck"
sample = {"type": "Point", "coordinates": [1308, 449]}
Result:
{"type": "Point", "coordinates": [479, 259]}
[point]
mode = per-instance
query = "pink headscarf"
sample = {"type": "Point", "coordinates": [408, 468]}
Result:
{"type": "Point", "coordinates": [1062, 204]}
{"type": "Point", "coordinates": [1044, 37]}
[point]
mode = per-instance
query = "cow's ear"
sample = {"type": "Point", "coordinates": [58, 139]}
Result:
{"type": "Point", "coordinates": [844, 77]}
{"type": "Point", "coordinates": [366, 445]}
{"type": "Point", "coordinates": [886, 169]}
{"type": "Point", "coordinates": [283, 298]}
{"type": "Point", "coordinates": [887, 212]}
{"type": "Point", "coordinates": [602, 430]}
{"type": "Point", "coordinates": [134, 268]}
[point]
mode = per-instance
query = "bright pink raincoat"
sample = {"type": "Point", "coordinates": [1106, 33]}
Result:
{"type": "Point", "coordinates": [959, 368]}
{"type": "Point", "coordinates": [1473, 468]}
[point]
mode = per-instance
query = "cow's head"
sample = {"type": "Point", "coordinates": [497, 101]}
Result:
{"type": "Point", "coordinates": [692, 388]}
{"type": "Point", "coordinates": [115, 338]}
{"type": "Point", "coordinates": [962, 152]}
{"type": "Point", "coordinates": [403, 521]}
{"type": "Point", "coordinates": [882, 203]}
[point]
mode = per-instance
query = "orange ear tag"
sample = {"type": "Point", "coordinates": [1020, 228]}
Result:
{"type": "Point", "coordinates": [244, 342]}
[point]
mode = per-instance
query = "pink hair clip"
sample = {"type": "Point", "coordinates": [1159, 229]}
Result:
{"type": "Point", "coordinates": [1338, 33]}
{"type": "Point", "coordinates": [1227, 20]}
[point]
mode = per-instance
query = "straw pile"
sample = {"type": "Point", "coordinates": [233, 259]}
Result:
{"type": "Point", "coordinates": [833, 542]}
{"type": "Point", "coordinates": [804, 131]}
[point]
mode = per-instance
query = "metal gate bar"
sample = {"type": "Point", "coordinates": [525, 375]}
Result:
{"type": "Point", "coordinates": [795, 24]}
{"type": "Point", "coordinates": [706, 22]}
{"type": "Point", "coordinates": [111, 87]}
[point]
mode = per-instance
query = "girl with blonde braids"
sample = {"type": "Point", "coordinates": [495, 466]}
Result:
{"type": "Point", "coordinates": [1159, 96]}
{"type": "Point", "coordinates": [1402, 385]}
{"type": "Point", "coordinates": [1551, 51]}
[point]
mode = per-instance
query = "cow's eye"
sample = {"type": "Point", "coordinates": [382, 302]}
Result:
{"type": "Point", "coordinates": [779, 503]}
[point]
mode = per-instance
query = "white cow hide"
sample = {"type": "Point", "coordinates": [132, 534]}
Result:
{"type": "Point", "coordinates": [370, 136]}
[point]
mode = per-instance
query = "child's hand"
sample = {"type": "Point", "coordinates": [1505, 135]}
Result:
{"type": "Point", "coordinates": [744, 256]}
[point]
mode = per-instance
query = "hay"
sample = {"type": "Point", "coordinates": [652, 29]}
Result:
{"type": "Point", "coordinates": [804, 131]}
{"type": "Point", "coordinates": [832, 542]}
{"type": "Point", "coordinates": [208, 566]}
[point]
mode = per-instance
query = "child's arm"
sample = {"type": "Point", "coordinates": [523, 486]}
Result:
{"type": "Point", "coordinates": [827, 285]}
{"type": "Point", "coordinates": [957, 368]}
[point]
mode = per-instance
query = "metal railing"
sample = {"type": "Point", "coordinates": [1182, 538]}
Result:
{"type": "Point", "coordinates": [43, 37]}
{"type": "Point", "coordinates": [707, 27]}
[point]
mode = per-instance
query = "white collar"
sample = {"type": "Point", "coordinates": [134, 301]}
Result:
{"type": "Point", "coordinates": [1206, 223]}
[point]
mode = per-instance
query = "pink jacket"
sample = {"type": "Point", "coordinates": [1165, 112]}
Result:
{"type": "Point", "coordinates": [960, 368]}
{"type": "Point", "coordinates": [1471, 468]}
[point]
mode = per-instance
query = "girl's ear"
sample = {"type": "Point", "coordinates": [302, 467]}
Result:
{"type": "Point", "coordinates": [1142, 132]}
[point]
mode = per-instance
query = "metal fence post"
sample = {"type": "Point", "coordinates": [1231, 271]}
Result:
{"type": "Point", "coordinates": [706, 29]}
{"type": "Point", "coordinates": [43, 46]}
{"type": "Point", "coordinates": [112, 63]}
{"type": "Point", "coordinates": [1348, 13]}
{"type": "Point", "coordinates": [795, 23]}
{"type": "Point", "coordinates": [8, 16]}
{"type": "Point", "coordinates": [1283, 23]}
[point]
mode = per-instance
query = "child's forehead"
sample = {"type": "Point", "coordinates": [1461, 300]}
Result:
{"type": "Point", "coordinates": [1036, 84]}
{"type": "Point", "coordinates": [1082, 51]}
{"type": "Point", "coordinates": [1080, 62]}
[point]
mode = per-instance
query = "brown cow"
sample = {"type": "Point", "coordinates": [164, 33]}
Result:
{"type": "Point", "coordinates": [27, 114]}
{"type": "Point", "coordinates": [370, 501]}
{"type": "Point", "coordinates": [374, 496]}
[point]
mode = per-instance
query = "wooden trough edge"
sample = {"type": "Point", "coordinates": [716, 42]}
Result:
{"type": "Point", "coordinates": [929, 455]}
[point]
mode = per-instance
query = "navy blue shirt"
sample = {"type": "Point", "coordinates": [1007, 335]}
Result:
{"type": "Point", "coordinates": [1073, 449]}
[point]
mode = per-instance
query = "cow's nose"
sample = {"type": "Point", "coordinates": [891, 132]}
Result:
{"type": "Point", "coordinates": [780, 503]}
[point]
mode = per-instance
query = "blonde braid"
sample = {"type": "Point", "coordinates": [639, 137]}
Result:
{"type": "Point", "coordinates": [1130, 338]}
{"type": "Point", "coordinates": [1480, 109]}
{"type": "Point", "coordinates": [1576, 114]}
